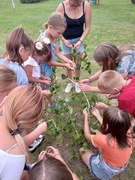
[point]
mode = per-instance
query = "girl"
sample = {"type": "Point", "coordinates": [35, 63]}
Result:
{"type": "Point", "coordinates": [18, 49]}
{"type": "Point", "coordinates": [115, 137]}
{"type": "Point", "coordinates": [78, 17]}
{"type": "Point", "coordinates": [22, 109]}
{"type": "Point", "coordinates": [56, 25]}
{"type": "Point", "coordinates": [51, 166]}
{"type": "Point", "coordinates": [111, 57]}
{"type": "Point", "coordinates": [42, 52]}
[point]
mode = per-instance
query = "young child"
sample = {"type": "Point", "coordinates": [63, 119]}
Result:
{"type": "Point", "coordinates": [18, 49]}
{"type": "Point", "coordinates": [56, 25]}
{"type": "Point", "coordinates": [51, 166]}
{"type": "Point", "coordinates": [22, 109]}
{"type": "Point", "coordinates": [115, 137]}
{"type": "Point", "coordinates": [111, 57]}
{"type": "Point", "coordinates": [42, 52]}
{"type": "Point", "coordinates": [110, 82]}
{"type": "Point", "coordinates": [8, 81]}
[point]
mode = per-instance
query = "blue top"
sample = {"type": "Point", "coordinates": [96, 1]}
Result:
{"type": "Point", "coordinates": [45, 69]}
{"type": "Point", "coordinates": [74, 26]}
{"type": "Point", "coordinates": [127, 63]}
{"type": "Point", "coordinates": [20, 72]}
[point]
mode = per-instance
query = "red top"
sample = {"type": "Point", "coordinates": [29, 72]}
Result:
{"type": "Point", "coordinates": [126, 99]}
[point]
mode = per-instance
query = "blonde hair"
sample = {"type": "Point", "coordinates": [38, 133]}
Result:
{"type": "Point", "coordinates": [108, 80]}
{"type": "Point", "coordinates": [57, 21]}
{"type": "Point", "coordinates": [22, 110]}
{"type": "Point", "coordinates": [8, 79]}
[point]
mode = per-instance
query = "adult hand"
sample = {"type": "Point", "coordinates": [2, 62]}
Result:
{"type": "Point", "coordinates": [67, 43]}
{"type": "Point", "coordinates": [101, 105]}
{"type": "Point", "coordinates": [77, 45]}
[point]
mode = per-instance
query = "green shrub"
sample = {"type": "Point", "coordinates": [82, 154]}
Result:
{"type": "Point", "coordinates": [29, 1]}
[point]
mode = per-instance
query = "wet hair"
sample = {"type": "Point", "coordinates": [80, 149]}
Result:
{"type": "Point", "coordinates": [45, 51]}
{"type": "Point", "coordinates": [108, 80]}
{"type": "Point", "coordinates": [57, 21]}
{"type": "Point", "coordinates": [22, 109]}
{"type": "Point", "coordinates": [15, 40]}
{"type": "Point", "coordinates": [50, 169]}
{"type": "Point", "coordinates": [107, 51]}
{"type": "Point", "coordinates": [116, 123]}
{"type": "Point", "coordinates": [8, 79]}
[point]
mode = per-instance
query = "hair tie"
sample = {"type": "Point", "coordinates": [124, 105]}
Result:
{"type": "Point", "coordinates": [14, 132]}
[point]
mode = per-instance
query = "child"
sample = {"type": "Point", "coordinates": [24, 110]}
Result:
{"type": "Point", "coordinates": [110, 82]}
{"type": "Point", "coordinates": [115, 137]}
{"type": "Point", "coordinates": [42, 52]}
{"type": "Point", "coordinates": [51, 166]}
{"type": "Point", "coordinates": [22, 109]}
{"type": "Point", "coordinates": [8, 81]}
{"type": "Point", "coordinates": [111, 57]}
{"type": "Point", "coordinates": [56, 25]}
{"type": "Point", "coordinates": [18, 49]}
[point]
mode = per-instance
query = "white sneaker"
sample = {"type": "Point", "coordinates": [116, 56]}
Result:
{"type": "Point", "coordinates": [77, 88]}
{"type": "Point", "coordinates": [68, 88]}
{"type": "Point", "coordinates": [36, 143]}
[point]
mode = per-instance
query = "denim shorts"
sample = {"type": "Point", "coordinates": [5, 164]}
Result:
{"type": "Point", "coordinates": [67, 50]}
{"type": "Point", "coordinates": [102, 170]}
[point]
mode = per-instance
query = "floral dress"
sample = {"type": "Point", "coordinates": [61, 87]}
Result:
{"type": "Point", "coordinates": [46, 69]}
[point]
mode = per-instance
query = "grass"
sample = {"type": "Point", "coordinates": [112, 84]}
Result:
{"type": "Point", "coordinates": [112, 21]}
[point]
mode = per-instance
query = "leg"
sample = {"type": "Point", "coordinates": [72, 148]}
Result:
{"type": "Point", "coordinates": [85, 155]}
{"type": "Point", "coordinates": [78, 65]}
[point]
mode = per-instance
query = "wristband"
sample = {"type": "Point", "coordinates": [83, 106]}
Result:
{"type": "Point", "coordinates": [80, 40]}
{"type": "Point", "coordinates": [89, 80]}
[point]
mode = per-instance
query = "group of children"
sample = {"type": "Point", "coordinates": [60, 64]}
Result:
{"type": "Point", "coordinates": [26, 63]}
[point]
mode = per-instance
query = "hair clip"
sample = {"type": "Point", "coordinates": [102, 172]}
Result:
{"type": "Point", "coordinates": [39, 45]}
{"type": "Point", "coordinates": [14, 132]}
{"type": "Point", "coordinates": [46, 41]}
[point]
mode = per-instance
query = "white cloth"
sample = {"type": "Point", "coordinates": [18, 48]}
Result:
{"type": "Point", "coordinates": [11, 166]}
{"type": "Point", "coordinates": [36, 68]}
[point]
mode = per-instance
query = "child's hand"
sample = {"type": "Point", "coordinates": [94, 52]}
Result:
{"type": "Point", "coordinates": [42, 127]}
{"type": "Point", "coordinates": [46, 93]}
{"type": "Point", "coordinates": [95, 112]}
{"type": "Point", "coordinates": [69, 66]}
{"type": "Point", "coordinates": [52, 151]}
{"type": "Point", "coordinates": [71, 63]}
{"type": "Point", "coordinates": [85, 81]}
{"type": "Point", "coordinates": [84, 87]}
{"type": "Point", "coordinates": [110, 96]}
{"type": "Point", "coordinates": [101, 105]}
{"type": "Point", "coordinates": [85, 113]}
{"type": "Point", "coordinates": [47, 78]}
{"type": "Point", "coordinates": [42, 155]}
{"type": "Point", "coordinates": [46, 82]}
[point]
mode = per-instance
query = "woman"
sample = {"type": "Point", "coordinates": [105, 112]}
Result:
{"type": "Point", "coordinates": [78, 17]}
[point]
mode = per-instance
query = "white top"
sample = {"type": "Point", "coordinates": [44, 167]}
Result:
{"type": "Point", "coordinates": [36, 68]}
{"type": "Point", "coordinates": [11, 166]}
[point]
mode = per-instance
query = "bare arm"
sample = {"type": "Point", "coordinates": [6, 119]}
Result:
{"type": "Point", "coordinates": [28, 70]}
{"type": "Point", "coordinates": [92, 78]}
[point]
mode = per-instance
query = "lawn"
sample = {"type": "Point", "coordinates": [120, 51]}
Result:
{"type": "Point", "coordinates": [112, 21]}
